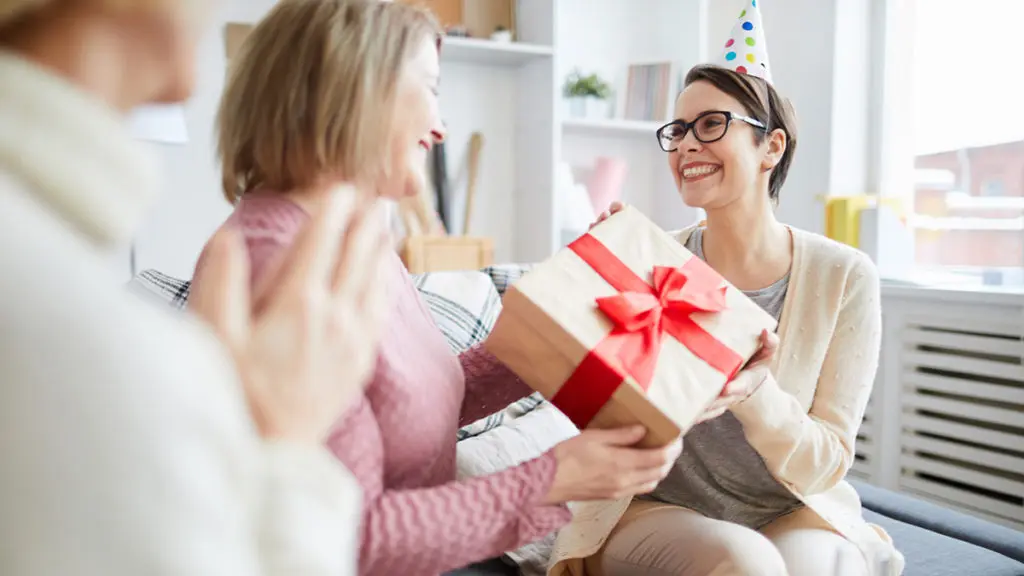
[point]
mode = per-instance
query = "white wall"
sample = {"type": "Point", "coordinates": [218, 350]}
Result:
{"type": "Point", "coordinates": [482, 99]}
{"type": "Point", "coordinates": [191, 206]}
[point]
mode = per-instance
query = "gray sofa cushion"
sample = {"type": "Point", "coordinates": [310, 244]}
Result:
{"type": "Point", "coordinates": [491, 568]}
{"type": "Point", "coordinates": [931, 554]}
{"type": "Point", "coordinates": [944, 521]}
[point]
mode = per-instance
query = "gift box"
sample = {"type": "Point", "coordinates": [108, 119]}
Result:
{"type": "Point", "coordinates": [625, 326]}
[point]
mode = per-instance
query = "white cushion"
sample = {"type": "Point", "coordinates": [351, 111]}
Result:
{"type": "Point", "coordinates": [515, 442]}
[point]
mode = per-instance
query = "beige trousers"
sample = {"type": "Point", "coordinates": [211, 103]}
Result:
{"type": "Point", "coordinates": [655, 539]}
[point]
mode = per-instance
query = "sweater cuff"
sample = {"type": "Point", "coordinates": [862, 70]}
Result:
{"type": "Point", "coordinates": [543, 519]}
{"type": "Point", "coordinates": [764, 408]}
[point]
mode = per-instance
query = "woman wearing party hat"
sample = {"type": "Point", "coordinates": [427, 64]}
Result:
{"type": "Point", "coordinates": [759, 488]}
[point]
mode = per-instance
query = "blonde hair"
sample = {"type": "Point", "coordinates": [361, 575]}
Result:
{"type": "Point", "coordinates": [311, 91]}
{"type": "Point", "coordinates": [195, 12]}
{"type": "Point", "coordinates": [12, 10]}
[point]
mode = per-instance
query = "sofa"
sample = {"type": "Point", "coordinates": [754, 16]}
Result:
{"type": "Point", "coordinates": [936, 541]}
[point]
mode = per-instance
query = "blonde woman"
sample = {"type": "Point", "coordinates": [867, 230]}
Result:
{"type": "Point", "coordinates": [126, 440]}
{"type": "Point", "coordinates": [326, 91]}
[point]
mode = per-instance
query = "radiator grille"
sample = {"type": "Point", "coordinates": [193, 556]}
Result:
{"type": "Point", "coordinates": [864, 464]}
{"type": "Point", "coordinates": [962, 438]}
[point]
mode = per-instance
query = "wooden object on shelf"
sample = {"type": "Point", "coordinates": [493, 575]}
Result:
{"type": "Point", "coordinates": [476, 144]}
{"type": "Point", "coordinates": [448, 12]}
{"type": "Point", "coordinates": [426, 247]}
{"type": "Point", "coordinates": [446, 253]}
{"type": "Point", "coordinates": [480, 18]}
{"type": "Point", "coordinates": [234, 35]}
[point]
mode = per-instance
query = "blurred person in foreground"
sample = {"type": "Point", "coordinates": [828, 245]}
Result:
{"type": "Point", "coordinates": [329, 91]}
{"type": "Point", "coordinates": [127, 434]}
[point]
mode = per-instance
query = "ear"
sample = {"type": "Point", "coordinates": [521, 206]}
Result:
{"type": "Point", "coordinates": [776, 147]}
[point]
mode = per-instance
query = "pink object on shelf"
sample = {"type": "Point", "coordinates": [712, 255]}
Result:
{"type": "Point", "coordinates": [605, 184]}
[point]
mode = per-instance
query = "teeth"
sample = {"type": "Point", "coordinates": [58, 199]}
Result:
{"type": "Point", "coordinates": [699, 171]}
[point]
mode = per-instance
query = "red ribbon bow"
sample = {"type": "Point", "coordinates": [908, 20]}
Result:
{"type": "Point", "coordinates": [642, 314]}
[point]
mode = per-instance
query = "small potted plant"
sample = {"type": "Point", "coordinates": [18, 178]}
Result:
{"type": "Point", "coordinates": [587, 95]}
{"type": "Point", "coordinates": [501, 34]}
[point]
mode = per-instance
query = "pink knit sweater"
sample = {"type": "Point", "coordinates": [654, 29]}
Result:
{"type": "Point", "coordinates": [399, 440]}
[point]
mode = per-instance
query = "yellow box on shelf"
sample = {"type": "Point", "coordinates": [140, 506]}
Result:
{"type": "Point", "coordinates": [842, 215]}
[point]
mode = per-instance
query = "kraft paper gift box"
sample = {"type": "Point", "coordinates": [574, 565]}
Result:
{"type": "Point", "coordinates": [626, 326]}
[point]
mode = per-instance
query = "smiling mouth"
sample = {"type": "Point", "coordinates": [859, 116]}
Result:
{"type": "Point", "coordinates": [693, 173]}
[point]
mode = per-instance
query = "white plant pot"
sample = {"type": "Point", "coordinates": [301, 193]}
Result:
{"type": "Point", "coordinates": [576, 107]}
{"type": "Point", "coordinates": [588, 107]}
{"type": "Point", "coordinates": [598, 109]}
{"type": "Point", "coordinates": [502, 36]}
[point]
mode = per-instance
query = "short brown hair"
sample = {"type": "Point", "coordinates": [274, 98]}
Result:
{"type": "Point", "coordinates": [761, 101]}
{"type": "Point", "coordinates": [311, 91]}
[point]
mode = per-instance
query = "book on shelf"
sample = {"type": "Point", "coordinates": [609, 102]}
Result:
{"type": "Point", "coordinates": [651, 91]}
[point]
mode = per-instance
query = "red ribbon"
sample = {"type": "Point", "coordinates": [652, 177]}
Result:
{"type": "Point", "coordinates": [642, 314]}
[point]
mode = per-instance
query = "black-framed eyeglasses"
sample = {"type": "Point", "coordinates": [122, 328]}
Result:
{"type": "Point", "coordinates": [707, 127]}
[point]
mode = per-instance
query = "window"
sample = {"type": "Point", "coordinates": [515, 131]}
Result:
{"type": "Point", "coordinates": [966, 198]}
{"type": "Point", "coordinates": [993, 187]}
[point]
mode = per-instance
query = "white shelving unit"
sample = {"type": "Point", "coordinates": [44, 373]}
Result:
{"type": "Point", "coordinates": [511, 93]}
{"type": "Point", "coordinates": [611, 128]}
{"type": "Point", "coordinates": [489, 53]}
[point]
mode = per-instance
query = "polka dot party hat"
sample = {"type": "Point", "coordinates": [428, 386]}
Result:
{"type": "Point", "coordinates": [745, 51]}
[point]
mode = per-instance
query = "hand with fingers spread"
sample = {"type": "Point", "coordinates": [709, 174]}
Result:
{"type": "Point", "coordinates": [748, 380]}
{"type": "Point", "coordinates": [305, 341]}
{"type": "Point", "coordinates": [612, 209]}
{"type": "Point", "coordinates": [606, 465]}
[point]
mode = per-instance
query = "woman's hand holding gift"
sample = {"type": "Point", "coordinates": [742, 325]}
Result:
{"type": "Point", "coordinates": [606, 465]}
{"type": "Point", "coordinates": [612, 209]}
{"type": "Point", "coordinates": [748, 380]}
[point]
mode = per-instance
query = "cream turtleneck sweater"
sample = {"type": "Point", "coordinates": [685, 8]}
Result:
{"type": "Point", "coordinates": [126, 444]}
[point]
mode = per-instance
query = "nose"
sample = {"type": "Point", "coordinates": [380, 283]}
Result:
{"type": "Point", "coordinates": [690, 142]}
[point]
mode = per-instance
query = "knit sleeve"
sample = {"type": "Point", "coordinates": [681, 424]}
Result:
{"type": "Point", "coordinates": [812, 451]}
{"type": "Point", "coordinates": [436, 529]}
{"type": "Point", "coordinates": [490, 386]}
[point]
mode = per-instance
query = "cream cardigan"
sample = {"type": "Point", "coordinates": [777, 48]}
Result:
{"type": "Point", "coordinates": [126, 443]}
{"type": "Point", "coordinates": [804, 420]}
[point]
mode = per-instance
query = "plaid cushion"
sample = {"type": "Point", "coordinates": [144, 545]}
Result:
{"type": "Point", "coordinates": [505, 275]}
{"type": "Point", "coordinates": [464, 305]}
{"type": "Point", "coordinates": [159, 287]}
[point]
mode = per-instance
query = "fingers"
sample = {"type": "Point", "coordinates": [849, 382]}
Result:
{"type": "Point", "coordinates": [315, 251]}
{"type": "Point", "coordinates": [734, 387]}
{"type": "Point", "coordinates": [769, 344]}
{"type": "Point", "coordinates": [221, 297]}
{"type": "Point", "coordinates": [375, 297]}
{"type": "Point", "coordinates": [711, 414]}
{"type": "Point", "coordinates": [612, 209]}
{"type": "Point", "coordinates": [624, 436]}
{"type": "Point", "coordinates": [363, 249]}
{"type": "Point", "coordinates": [645, 468]}
{"type": "Point", "coordinates": [649, 458]}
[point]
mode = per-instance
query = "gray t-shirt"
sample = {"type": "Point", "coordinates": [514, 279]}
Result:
{"type": "Point", "coordinates": [719, 474]}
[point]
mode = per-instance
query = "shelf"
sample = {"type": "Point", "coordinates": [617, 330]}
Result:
{"type": "Point", "coordinates": [491, 53]}
{"type": "Point", "coordinates": [611, 128]}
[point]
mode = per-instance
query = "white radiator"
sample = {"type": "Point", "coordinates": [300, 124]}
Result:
{"type": "Point", "coordinates": [946, 420]}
